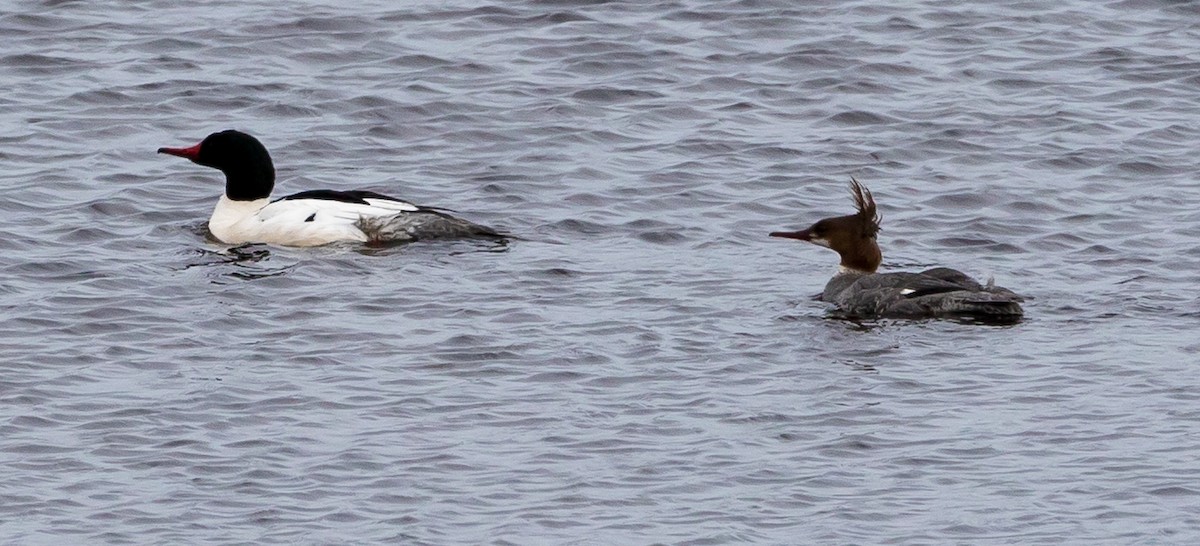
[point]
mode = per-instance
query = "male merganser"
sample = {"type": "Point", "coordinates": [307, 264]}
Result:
{"type": "Point", "coordinates": [245, 213]}
{"type": "Point", "coordinates": [860, 292]}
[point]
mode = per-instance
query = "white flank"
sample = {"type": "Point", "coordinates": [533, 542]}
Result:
{"type": "Point", "coordinates": [297, 222]}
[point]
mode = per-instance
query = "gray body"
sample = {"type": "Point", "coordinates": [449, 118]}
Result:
{"type": "Point", "coordinates": [936, 292]}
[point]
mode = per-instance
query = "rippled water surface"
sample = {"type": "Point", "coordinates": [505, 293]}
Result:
{"type": "Point", "coordinates": [644, 365]}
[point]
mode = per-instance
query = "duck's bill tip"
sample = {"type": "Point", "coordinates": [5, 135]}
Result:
{"type": "Point", "coordinates": [191, 152]}
{"type": "Point", "coordinates": [800, 235]}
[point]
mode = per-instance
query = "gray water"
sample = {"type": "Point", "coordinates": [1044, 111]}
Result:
{"type": "Point", "coordinates": [645, 365]}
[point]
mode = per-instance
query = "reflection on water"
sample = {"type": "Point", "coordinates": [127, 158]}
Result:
{"type": "Point", "coordinates": [249, 262]}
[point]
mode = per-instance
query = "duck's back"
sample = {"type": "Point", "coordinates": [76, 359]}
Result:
{"type": "Point", "coordinates": [935, 292]}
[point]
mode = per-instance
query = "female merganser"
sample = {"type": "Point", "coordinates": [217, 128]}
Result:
{"type": "Point", "coordinates": [245, 213]}
{"type": "Point", "coordinates": [860, 292]}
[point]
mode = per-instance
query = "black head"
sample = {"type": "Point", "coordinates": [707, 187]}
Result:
{"type": "Point", "coordinates": [249, 172]}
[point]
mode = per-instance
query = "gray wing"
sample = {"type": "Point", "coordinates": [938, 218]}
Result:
{"type": "Point", "coordinates": [423, 224]}
{"type": "Point", "coordinates": [933, 292]}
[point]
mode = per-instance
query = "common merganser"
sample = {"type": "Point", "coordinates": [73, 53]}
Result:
{"type": "Point", "coordinates": [245, 213]}
{"type": "Point", "coordinates": [860, 292]}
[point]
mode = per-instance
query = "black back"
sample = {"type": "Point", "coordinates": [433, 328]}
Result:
{"type": "Point", "coordinates": [358, 197]}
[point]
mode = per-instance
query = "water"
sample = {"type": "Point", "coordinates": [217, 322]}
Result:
{"type": "Point", "coordinates": [645, 365]}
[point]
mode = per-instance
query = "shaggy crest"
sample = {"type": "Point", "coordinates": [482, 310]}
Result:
{"type": "Point", "coordinates": [867, 213]}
